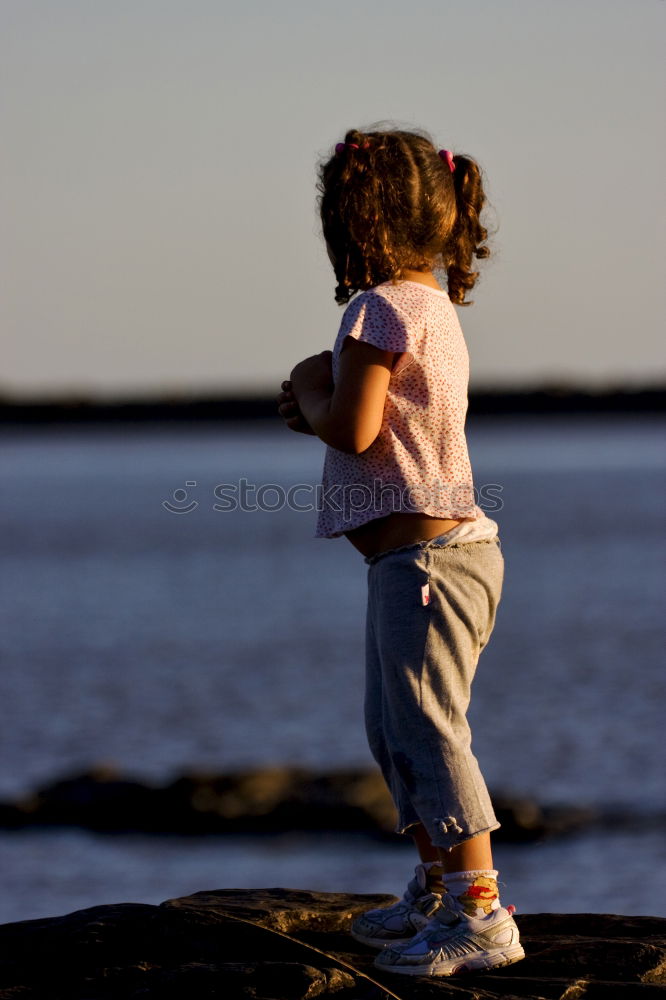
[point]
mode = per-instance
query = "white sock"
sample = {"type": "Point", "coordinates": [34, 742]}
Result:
{"type": "Point", "coordinates": [476, 892]}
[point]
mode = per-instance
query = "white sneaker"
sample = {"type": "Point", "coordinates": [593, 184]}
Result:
{"type": "Point", "coordinates": [399, 923]}
{"type": "Point", "coordinates": [453, 942]}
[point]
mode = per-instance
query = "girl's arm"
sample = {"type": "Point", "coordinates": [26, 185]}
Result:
{"type": "Point", "coordinates": [348, 415]}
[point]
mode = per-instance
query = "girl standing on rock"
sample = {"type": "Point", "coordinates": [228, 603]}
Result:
{"type": "Point", "coordinates": [390, 403]}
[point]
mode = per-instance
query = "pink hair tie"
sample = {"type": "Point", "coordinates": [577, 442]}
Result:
{"type": "Point", "coordinates": [447, 155]}
{"type": "Point", "coordinates": [341, 146]}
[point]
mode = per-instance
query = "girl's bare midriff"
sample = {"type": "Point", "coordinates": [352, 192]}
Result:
{"type": "Point", "coordinates": [397, 529]}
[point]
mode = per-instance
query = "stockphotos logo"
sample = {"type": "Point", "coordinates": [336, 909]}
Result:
{"type": "Point", "coordinates": [382, 498]}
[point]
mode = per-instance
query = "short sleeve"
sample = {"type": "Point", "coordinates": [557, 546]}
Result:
{"type": "Point", "coordinates": [374, 320]}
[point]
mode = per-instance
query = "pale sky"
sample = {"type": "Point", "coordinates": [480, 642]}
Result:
{"type": "Point", "coordinates": [159, 228]}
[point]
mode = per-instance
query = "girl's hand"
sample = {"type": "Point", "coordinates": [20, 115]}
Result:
{"type": "Point", "coordinates": [289, 410]}
{"type": "Point", "coordinates": [348, 414]}
{"type": "Point", "coordinates": [315, 372]}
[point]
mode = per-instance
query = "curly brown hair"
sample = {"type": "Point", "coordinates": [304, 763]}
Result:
{"type": "Point", "coordinates": [390, 203]}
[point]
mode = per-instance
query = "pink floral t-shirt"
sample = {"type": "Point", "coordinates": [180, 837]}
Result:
{"type": "Point", "coordinates": [419, 460]}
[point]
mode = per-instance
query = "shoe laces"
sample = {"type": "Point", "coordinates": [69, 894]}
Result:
{"type": "Point", "coordinates": [449, 913]}
{"type": "Point", "coordinates": [419, 885]}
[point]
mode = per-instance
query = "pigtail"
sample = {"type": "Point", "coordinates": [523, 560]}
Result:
{"type": "Point", "coordinates": [360, 183]}
{"type": "Point", "coordinates": [356, 211]}
{"type": "Point", "coordinates": [468, 235]}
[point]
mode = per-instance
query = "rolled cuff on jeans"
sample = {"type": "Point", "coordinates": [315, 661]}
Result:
{"type": "Point", "coordinates": [443, 833]}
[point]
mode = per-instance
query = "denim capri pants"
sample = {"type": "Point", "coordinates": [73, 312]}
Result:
{"type": "Point", "coordinates": [431, 609]}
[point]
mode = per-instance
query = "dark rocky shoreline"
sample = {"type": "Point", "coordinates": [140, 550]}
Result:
{"type": "Point", "coordinates": [263, 800]}
{"type": "Point", "coordinates": [282, 944]}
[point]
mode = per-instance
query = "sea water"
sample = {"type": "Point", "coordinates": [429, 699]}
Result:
{"type": "Point", "coordinates": [150, 624]}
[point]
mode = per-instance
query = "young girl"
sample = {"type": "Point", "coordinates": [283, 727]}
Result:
{"type": "Point", "coordinates": [390, 404]}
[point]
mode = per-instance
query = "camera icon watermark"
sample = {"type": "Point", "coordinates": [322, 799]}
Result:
{"type": "Point", "coordinates": [180, 496]}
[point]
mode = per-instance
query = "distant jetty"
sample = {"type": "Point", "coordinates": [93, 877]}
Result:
{"type": "Point", "coordinates": [192, 409]}
{"type": "Point", "coordinates": [276, 800]}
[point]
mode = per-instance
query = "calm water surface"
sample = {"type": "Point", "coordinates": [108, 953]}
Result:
{"type": "Point", "coordinates": [225, 638]}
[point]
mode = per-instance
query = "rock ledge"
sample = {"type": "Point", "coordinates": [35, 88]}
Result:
{"type": "Point", "coordinates": [287, 944]}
